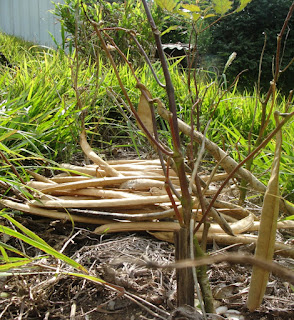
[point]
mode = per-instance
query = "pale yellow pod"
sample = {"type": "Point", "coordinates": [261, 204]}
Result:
{"type": "Point", "coordinates": [267, 231]}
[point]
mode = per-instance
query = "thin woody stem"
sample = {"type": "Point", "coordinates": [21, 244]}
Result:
{"type": "Point", "coordinates": [177, 157]}
{"type": "Point", "coordinates": [169, 86]}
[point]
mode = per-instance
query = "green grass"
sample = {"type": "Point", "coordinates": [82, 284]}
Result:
{"type": "Point", "coordinates": [32, 97]}
{"type": "Point", "coordinates": [232, 124]}
{"type": "Point", "coordinates": [39, 116]}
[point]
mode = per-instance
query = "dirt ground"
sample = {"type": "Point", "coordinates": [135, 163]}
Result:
{"type": "Point", "coordinates": [148, 293]}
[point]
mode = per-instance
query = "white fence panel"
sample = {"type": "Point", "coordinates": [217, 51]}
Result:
{"type": "Point", "coordinates": [30, 20]}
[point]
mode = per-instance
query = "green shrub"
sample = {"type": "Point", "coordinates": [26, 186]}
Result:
{"type": "Point", "coordinates": [119, 15]}
{"type": "Point", "coordinates": [243, 33]}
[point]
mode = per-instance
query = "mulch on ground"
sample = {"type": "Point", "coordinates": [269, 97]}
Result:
{"type": "Point", "coordinates": [44, 294]}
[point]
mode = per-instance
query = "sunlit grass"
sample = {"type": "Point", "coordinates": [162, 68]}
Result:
{"type": "Point", "coordinates": [39, 114]}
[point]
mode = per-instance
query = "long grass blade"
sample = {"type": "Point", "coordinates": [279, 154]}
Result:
{"type": "Point", "coordinates": [43, 247]}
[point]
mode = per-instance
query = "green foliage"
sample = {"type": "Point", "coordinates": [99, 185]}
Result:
{"type": "Point", "coordinates": [245, 33]}
{"type": "Point", "coordinates": [169, 5]}
{"type": "Point", "coordinates": [175, 28]}
{"type": "Point", "coordinates": [243, 4]}
{"type": "Point", "coordinates": [42, 114]}
{"type": "Point", "coordinates": [40, 118]}
{"type": "Point", "coordinates": [233, 120]}
{"type": "Point", "coordinates": [34, 240]}
{"type": "Point", "coordinates": [31, 98]}
{"type": "Point", "coordinates": [203, 9]}
{"type": "Point", "coordinates": [39, 113]}
{"type": "Point", "coordinates": [222, 6]}
{"type": "Point", "coordinates": [189, 22]}
{"type": "Point", "coordinates": [16, 265]}
{"type": "Point", "coordinates": [121, 17]}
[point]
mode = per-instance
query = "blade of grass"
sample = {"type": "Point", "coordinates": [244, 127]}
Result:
{"type": "Point", "coordinates": [43, 247]}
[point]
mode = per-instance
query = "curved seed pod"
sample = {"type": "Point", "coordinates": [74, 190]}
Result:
{"type": "Point", "coordinates": [95, 158]}
{"type": "Point", "coordinates": [100, 203]}
{"type": "Point", "coordinates": [267, 231]}
{"type": "Point", "coordinates": [52, 214]}
{"type": "Point", "coordinates": [237, 227]}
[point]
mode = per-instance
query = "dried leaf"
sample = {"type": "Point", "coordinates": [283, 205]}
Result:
{"type": "Point", "coordinates": [144, 112]}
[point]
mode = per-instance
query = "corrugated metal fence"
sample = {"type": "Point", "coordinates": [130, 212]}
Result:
{"type": "Point", "coordinates": [30, 20]}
